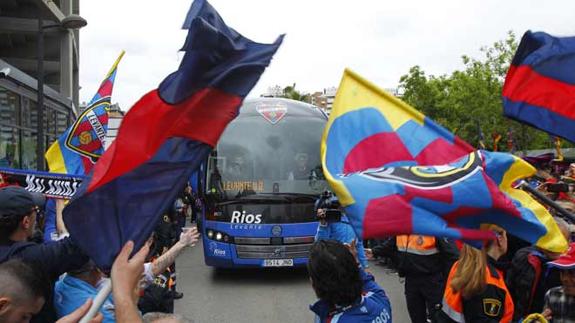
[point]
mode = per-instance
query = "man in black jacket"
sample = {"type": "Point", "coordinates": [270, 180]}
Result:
{"type": "Point", "coordinates": [18, 210]}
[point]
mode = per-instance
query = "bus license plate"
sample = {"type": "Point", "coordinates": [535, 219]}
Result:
{"type": "Point", "coordinates": [278, 262]}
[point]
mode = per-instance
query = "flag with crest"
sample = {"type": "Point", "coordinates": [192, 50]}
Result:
{"type": "Point", "coordinates": [397, 172]}
{"type": "Point", "coordinates": [82, 144]}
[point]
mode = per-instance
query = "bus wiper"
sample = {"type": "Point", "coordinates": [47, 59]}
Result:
{"type": "Point", "coordinates": [263, 198]}
{"type": "Point", "coordinates": [288, 194]}
{"type": "Point", "coordinates": [243, 200]}
{"type": "Point", "coordinates": [288, 197]}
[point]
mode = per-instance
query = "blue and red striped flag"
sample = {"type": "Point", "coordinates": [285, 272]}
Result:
{"type": "Point", "coordinates": [397, 172]}
{"type": "Point", "coordinates": [165, 136]}
{"type": "Point", "coordinates": [540, 85]}
{"type": "Point", "coordinates": [80, 146]}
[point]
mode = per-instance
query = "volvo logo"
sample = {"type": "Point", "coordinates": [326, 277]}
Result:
{"type": "Point", "coordinates": [276, 230]}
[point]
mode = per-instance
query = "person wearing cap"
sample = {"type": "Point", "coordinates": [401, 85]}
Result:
{"type": "Point", "coordinates": [18, 210]}
{"type": "Point", "coordinates": [560, 301]}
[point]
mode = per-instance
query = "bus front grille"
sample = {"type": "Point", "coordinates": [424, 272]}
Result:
{"type": "Point", "coordinates": [273, 251]}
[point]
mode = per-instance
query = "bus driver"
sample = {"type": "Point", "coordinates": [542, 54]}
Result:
{"type": "Point", "coordinates": [302, 169]}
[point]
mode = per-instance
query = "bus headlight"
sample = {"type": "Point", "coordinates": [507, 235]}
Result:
{"type": "Point", "coordinates": [219, 236]}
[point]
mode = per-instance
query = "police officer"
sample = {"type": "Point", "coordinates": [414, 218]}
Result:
{"type": "Point", "coordinates": [475, 290]}
{"type": "Point", "coordinates": [424, 262]}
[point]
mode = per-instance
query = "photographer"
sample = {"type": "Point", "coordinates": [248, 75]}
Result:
{"type": "Point", "coordinates": [334, 225]}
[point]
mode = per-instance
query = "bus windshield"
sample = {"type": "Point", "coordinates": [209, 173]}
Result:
{"type": "Point", "coordinates": [255, 157]}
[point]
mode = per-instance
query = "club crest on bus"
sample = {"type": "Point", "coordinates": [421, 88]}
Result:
{"type": "Point", "coordinates": [272, 112]}
{"type": "Point", "coordinates": [88, 132]}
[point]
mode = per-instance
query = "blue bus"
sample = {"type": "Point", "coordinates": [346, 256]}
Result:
{"type": "Point", "coordinates": [259, 186]}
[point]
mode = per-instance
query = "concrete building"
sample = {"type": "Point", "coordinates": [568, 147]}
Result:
{"type": "Point", "coordinates": [324, 99]}
{"type": "Point", "coordinates": [39, 60]}
{"type": "Point", "coordinates": [273, 92]}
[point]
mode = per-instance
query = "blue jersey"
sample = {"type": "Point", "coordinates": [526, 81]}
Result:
{"type": "Point", "coordinates": [343, 232]}
{"type": "Point", "coordinates": [372, 307]}
{"type": "Point", "coordinates": [71, 293]}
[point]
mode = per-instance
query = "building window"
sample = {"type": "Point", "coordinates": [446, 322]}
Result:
{"type": "Point", "coordinates": [28, 141]}
{"type": "Point", "coordinates": [29, 113]}
{"type": "Point", "coordinates": [61, 122]}
{"type": "Point", "coordinates": [9, 107]}
{"type": "Point", "coordinates": [18, 128]}
{"type": "Point", "coordinates": [9, 152]}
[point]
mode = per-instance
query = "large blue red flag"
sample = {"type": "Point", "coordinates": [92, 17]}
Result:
{"type": "Point", "coordinates": [80, 146]}
{"type": "Point", "coordinates": [540, 85]}
{"type": "Point", "coordinates": [165, 136]}
{"type": "Point", "coordinates": [397, 172]}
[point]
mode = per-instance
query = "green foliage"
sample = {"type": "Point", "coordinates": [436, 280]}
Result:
{"type": "Point", "coordinates": [468, 101]}
{"type": "Point", "coordinates": [290, 92]}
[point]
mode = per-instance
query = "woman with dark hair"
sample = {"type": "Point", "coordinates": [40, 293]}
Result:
{"type": "Point", "coordinates": [346, 293]}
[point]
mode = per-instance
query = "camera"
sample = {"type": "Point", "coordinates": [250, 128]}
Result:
{"type": "Point", "coordinates": [558, 187]}
{"type": "Point", "coordinates": [330, 203]}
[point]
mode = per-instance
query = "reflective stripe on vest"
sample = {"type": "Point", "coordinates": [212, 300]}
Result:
{"type": "Point", "coordinates": [416, 244]}
{"type": "Point", "coordinates": [452, 305]}
{"type": "Point", "coordinates": [452, 313]}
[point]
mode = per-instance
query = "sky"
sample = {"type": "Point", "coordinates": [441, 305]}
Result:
{"type": "Point", "coordinates": [380, 40]}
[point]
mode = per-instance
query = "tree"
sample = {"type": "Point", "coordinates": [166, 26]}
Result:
{"type": "Point", "coordinates": [468, 101]}
{"type": "Point", "coordinates": [289, 92]}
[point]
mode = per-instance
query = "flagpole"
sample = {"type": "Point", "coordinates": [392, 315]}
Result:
{"type": "Point", "coordinates": [98, 301]}
{"type": "Point", "coordinates": [541, 197]}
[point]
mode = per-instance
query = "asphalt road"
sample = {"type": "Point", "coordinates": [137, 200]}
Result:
{"type": "Point", "coordinates": [258, 295]}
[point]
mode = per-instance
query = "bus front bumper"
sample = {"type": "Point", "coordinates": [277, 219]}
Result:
{"type": "Point", "coordinates": [224, 255]}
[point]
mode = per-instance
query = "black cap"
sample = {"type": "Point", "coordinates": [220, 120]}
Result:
{"type": "Point", "coordinates": [15, 200]}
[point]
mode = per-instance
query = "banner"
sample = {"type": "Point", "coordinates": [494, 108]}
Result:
{"type": "Point", "coordinates": [165, 137]}
{"type": "Point", "coordinates": [80, 146]}
{"type": "Point", "coordinates": [539, 88]}
{"type": "Point", "coordinates": [395, 171]}
{"type": "Point", "coordinates": [52, 185]}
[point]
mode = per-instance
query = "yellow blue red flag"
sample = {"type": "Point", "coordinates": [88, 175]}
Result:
{"type": "Point", "coordinates": [80, 146]}
{"type": "Point", "coordinates": [397, 172]}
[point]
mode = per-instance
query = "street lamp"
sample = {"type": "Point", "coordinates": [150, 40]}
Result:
{"type": "Point", "coordinates": [68, 23]}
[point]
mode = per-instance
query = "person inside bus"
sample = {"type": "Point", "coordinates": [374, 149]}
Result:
{"type": "Point", "coordinates": [301, 169]}
{"type": "Point", "coordinates": [238, 169]}
{"type": "Point", "coordinates": [346, 292]}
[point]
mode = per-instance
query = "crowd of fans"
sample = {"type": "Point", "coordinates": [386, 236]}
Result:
{"type": "Point", "coordinates": [44, 277]}
{"type": "Point", "coordinates": [503, 280]}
